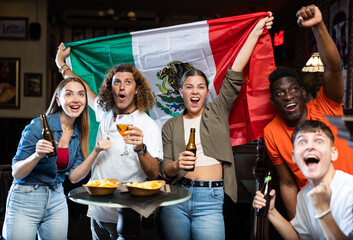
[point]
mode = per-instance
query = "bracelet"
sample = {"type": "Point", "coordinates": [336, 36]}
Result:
{"type": "Point", "coordinates": [62, 67]}
{"type": "Point", "coordinates": [63, 71]}
{"type": "Point", "coordinates": [318, 216]}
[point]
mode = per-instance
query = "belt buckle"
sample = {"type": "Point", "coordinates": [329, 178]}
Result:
{"type": "Point", "coordinates": [184, 182]}
{"type": "Point", "coordinates": [192, 183]}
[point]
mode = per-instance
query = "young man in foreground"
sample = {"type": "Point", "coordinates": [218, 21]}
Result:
{"type": "Point", "coordinates": [324, 206]}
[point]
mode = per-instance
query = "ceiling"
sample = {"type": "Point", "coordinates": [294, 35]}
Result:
{"type": "Point", "coordinates": [156, 13]}
{"type": "Point", "coordinates": [181, 7]}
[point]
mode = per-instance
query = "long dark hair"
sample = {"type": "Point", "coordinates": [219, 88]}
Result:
{"type": "Point", "coordinates": [82, 120]}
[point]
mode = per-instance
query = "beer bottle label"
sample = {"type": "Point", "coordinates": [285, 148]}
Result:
{"type": "Point", "coordinates": [268, 178]}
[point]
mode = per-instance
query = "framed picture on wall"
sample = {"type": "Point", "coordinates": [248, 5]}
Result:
{"type": "Point", "coordinates": [10, 82]}
{"type": "Point", "coordinates": [78, 34]}
{"type": "Point", "coordinates": [13, 28]}
{"type": "Point", "coordinates": [33, 85]}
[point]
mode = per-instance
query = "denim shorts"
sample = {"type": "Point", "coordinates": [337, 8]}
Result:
{"type": "Point", "coordinates": [201, 217]}
{"type": "Point", "coordinates": [33, 209]}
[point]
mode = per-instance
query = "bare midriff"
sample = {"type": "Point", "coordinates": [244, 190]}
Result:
{"type": "Point", "coordinates": [210, 173]}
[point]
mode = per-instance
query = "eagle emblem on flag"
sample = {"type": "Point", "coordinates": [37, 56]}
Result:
{"type": "Point", "coordinates": [171, 75]}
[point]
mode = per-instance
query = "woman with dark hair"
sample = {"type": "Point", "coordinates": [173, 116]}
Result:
{"type": "Point", "coordinates": [201, 217]}
{"type": "Point", "coordinates": [36, 203]}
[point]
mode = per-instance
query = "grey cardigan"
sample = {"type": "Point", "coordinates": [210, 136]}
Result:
{"type": "Point", "coordinates": [214, 134]}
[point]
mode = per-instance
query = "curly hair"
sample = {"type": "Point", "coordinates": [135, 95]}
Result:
{"type": "Point", "coordinates": [144, 100]}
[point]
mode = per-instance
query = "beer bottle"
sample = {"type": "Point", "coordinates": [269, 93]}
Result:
{"type": "Point", "coordinates": [48, 135]}
{"type": "Point", "coordinates": [266, 189]}
{"type": "Point", "coordinates": [191, 145]}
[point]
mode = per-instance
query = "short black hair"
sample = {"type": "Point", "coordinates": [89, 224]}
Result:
{"type": "Point", "coordinates": [313, 126]}
{"type": "Point", "coordinates": [280, 72]}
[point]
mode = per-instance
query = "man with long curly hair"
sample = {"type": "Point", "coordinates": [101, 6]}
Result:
{"type": "Point", "coordinates": [124, 91]}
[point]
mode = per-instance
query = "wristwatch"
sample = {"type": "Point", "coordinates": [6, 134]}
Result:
{"type": "Point", "coordinates": [143, 150]}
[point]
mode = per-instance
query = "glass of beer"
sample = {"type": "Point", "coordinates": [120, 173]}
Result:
{"type": "Point", "coordinates": [123, 121]}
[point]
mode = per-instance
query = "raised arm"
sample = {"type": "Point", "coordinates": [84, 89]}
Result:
{"type": "Point", "coordinates": [245, 53]}
{"type": "Point", "coordinates": [67, 72]}
{"type": "Point", "coordinates": [310, 16]}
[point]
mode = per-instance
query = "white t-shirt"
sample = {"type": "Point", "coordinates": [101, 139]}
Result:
{"type": "Point", "coordinates": [341, 205]}
{"type": "Point", "coordinates": [109, 163]}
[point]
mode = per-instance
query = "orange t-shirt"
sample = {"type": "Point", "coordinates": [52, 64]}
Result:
{"type": "Point", "coordinates": [279, 147]}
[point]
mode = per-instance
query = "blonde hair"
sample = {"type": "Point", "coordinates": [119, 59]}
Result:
{"type": "Point", "coordinates": [82, 120]}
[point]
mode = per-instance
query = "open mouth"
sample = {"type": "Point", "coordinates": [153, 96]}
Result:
{"type": "Point", "coordinates": [75, 107]}
{"type": "Point", "coordinates": [291, 106]}
{"type": "Point", "coordinates": [122, 96]}
{"type": "Point", "coordinates": [194, 101]}
{"type": "Point", "coordinates": [311, 160]}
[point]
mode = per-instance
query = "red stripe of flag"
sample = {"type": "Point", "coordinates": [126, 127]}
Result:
{"type": "Point", "coordinates": [252, 109]}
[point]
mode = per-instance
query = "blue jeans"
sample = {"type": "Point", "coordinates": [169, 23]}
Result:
{"type": "Point", "coordinates": [199, 218]}
{"type": "Point", "coordinates": [33, 209]}
{"type": "Point", "coordinates": [103, 230]}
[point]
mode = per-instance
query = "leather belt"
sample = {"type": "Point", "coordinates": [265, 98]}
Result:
{"type": "Point", "coordinates": [198, 183]}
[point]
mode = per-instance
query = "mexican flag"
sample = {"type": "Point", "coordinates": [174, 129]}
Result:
{"type": "Point", "coordinates": [163, 55]}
